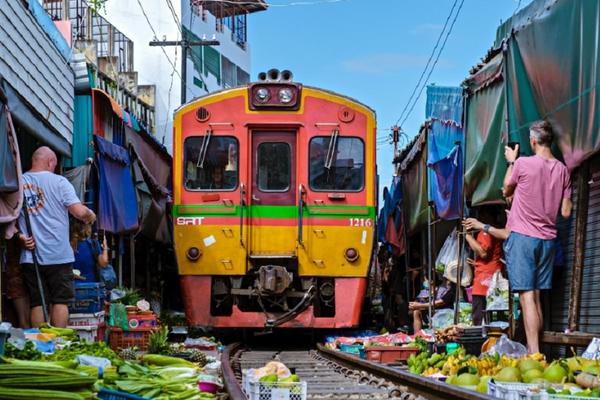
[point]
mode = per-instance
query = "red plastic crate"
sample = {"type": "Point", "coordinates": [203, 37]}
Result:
{"type": "Point", "coordinates": [120, 339]}
{"type": "Point", "coordinates": [389, 354]}
{"type": "Point", "coordinates": [137, 321]}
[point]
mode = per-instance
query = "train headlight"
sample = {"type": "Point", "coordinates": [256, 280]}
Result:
{"type": "Point", "coordinates": [263, 95]}
{"type": "Point", "coordinates": [193, 254]}
{"type": "Point", "coordinates": [285, 95]}
{"type": "Point", "coordinates": [351, 254]}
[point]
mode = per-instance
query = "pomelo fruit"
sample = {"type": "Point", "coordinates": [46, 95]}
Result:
{"type": "Point", "coordinates": [528, 364]}
{"type": "Point", "coordinates": [482, 387]}
{"type": "Point", "coordinates": [466, 379]}
{"type": "Point", "coordinates": [532, 374]}
{"type": "Point", "coordinates": [508, 374]}
{"type": "Point", "coordinates": [555, 373]}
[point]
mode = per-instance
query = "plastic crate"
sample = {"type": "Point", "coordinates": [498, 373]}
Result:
{"type": "Point", "coordinates": [514, 391]}
{"type": "Point", "coordinates": [142, 321]}
{"type": "Point", "coordinates": [88, 333]}
{"type": "Point", "coordinates": [548, 396]}
{"type": "Point", "coordinates": [120, 339]}
{"type": "Point", "coordinates": [89, 298]}
{"type": "Point", "coordinates": [273, 390]}
{"type": "Point", "coordinates": [472, 345]}
{"type": "Point", "coordinates": [351, 348]}
{"type": "Point", "coordinates": [389, 354]}
{"type": "Point", "coordinates": [106, 394]}
{"type": "Point", "coordinates": [86, 319]}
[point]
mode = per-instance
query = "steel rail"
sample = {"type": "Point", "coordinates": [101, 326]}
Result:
{"type": "Point", "coordinates": [230, 381]}
{"type": "Point", "coordinates": [426, 387]}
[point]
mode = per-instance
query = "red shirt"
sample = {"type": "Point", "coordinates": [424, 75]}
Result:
{"type": "Point", "coordinates": [484, 269]}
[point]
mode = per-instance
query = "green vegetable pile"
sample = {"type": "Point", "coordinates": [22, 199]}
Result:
{"type": "Point", "coordinates": [175, 379]}
{"type": "Point", "coordinates": [43, 380]}
{"type": "Point", "coordinates": [29, 352]}
{"type": "Point", "coordinates": [96, 349]}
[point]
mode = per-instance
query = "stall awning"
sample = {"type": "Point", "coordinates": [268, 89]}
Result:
{"type": "Point", "coordinates": [221, 9]}
{"type": "Point", "coordinates": [485, 129]}
{"type": "Point", "coordinates": [10, 166]}
{"type": "Point", "coordinates": [117, 205]}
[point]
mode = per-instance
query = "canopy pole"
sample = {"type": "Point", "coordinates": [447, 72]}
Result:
{"type": "Point", "coordinates": [120, 260]}
{"type": "Point", "coordinates": [461, 212]}
{"type": "Point", "coordinates": [429, 266]}
{"type": "Point", "coordinates": [132, 260]}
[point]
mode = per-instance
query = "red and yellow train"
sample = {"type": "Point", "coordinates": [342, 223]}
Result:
{"type": "Point", "coordinates": [275, 193]}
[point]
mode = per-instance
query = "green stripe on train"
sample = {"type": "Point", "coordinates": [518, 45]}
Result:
{"type": "Point", "coordinates": [256, 211]}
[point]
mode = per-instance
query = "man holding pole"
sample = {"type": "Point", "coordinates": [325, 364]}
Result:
{"type": "Point", "coordinates": [47, 257]}
{"type": "Point", "coordinates": [542, 187]}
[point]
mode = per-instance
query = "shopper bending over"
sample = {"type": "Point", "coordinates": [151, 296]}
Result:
{"type": "Point", "coordinates": [488, 256]}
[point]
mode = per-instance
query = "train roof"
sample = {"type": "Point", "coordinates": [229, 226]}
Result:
{"type": "Point", "coordinates": [246, 86]}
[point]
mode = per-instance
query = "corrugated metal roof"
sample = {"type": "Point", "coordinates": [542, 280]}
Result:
{"type": "Point", "coordinates": [33, 66]}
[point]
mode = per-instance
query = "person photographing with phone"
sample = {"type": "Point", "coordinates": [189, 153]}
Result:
{"type": "Point", "coordinates": [541, 187]}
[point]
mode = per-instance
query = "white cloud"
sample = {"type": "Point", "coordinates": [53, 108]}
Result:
{"type": "Point", "coordinates": [383, 63]}
{"type": "Point", "coordinates": [426, 28]}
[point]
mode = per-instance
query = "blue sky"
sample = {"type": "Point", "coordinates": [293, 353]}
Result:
{"type": "Point", "coordinates": [374, 50]}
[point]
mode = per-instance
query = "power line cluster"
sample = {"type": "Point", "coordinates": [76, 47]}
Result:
{"type": "Point", "coordinates": [429, 66]}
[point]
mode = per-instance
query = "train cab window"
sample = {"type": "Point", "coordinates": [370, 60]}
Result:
{"type": "Point", "coordinates": [215, 168]}
{"type": "Point", "coordinates": [274, 168]}
{"type": "Point", "coordinates": [343, 171]}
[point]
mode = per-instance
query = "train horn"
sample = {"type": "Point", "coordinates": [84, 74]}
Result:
{"type": "Point", "coordinates": [286, 75]}
{"type": "Point", "coordinates": [262, 77]}
{"type": "Point", "coordinates": [273, 75]}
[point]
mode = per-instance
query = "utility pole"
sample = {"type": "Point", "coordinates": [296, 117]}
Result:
{"type": "Point", "coordinates": [184, 44]}
{"type": "Point", "coordinates": [395, 138]}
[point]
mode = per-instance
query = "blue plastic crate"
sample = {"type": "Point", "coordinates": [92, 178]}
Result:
{"type": "Point", "coordinates": [106, 394]}
{"type": "Point", "coordinates": [89, 298]}
{"type": "Point", "coordinates": [89, 290]}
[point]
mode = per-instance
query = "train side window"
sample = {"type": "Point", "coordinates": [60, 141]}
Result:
{"type": "Point", "coordinates": [218, 171]}
{"type": "Point", "coordinates": [274, 168]}
{"type": "Point", "coordinates": [346, 172]}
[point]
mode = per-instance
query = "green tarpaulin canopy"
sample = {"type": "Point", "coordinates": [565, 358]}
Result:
{"type": "Point", "coordinates": [413, 169]}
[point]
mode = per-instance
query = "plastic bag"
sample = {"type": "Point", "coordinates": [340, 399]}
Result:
{"type": "Point", "coordinates": [442, 318]}
{"type": "Point", "coordinates": [447, 261]}
{"type": "Point", "coordinates": [497, 294]}
{"type": "Point", "coordinates": [506, 346]}
{"type": "Point", "coordinates": [449, 251]}
{"type": "Point", "coordinates": [593, 350]}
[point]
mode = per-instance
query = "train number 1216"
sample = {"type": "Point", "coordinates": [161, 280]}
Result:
{"type": "Point", "coordinates": [368, 222]}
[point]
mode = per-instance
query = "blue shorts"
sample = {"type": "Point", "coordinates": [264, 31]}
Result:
{"type": "Point", "coordinates": [529, 262]}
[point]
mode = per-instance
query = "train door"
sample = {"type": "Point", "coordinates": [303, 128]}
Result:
{"type": "Point", "coordinates": [273, 193]}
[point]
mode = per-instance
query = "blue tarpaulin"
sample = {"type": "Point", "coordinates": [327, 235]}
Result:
{"type": "Point", "coordinates": [117, 205]}
{"type": "Point", "coordinates": [448, 177]}
{"type": "Point", "coordinates": [390, 225]}
{"type": "Point", "coordinates": [444, 108]}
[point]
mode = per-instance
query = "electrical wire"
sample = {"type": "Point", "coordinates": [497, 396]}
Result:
{"type": "Point", "coordinates": [173, 65]}
{"type": "Point", "coordinates": [437, 43]}
{"type": "Point", "coordinates": [434, 63]}
{"type": "Point", "coordinates": [292, 4]}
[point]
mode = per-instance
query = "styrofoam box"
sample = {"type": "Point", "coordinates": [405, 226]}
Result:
{"type": "Point", "coordinates": [513, 391]}
{"type": "Point", "coordinates": [86, 319]}
{"type": "Point", "coordinates": [88, 333]}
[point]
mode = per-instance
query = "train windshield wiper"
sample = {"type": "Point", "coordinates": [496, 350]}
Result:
{"type": "Point", "coordinates": [204, 149]}
{"type": "Point", "coordinates": [332, 149]}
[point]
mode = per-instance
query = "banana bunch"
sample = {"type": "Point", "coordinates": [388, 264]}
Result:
{"type": "Point", "coordinates": [451, 366]}
{"type": "Point", "coordinates": [417, 364]}
{"type": "Point", "coordinates": [537, 357]}
{"type": "Point", "coordinates": [487, 366]}
{"type": "Point", "coordinates": [430, 371]}
{"type": "Point", "coordinates": [421, 364]}
{"type": "Point", "coordinates": [506, 361]}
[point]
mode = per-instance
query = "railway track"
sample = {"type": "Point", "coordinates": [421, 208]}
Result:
{"type": "Point", "coordinates": [332, 375]}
